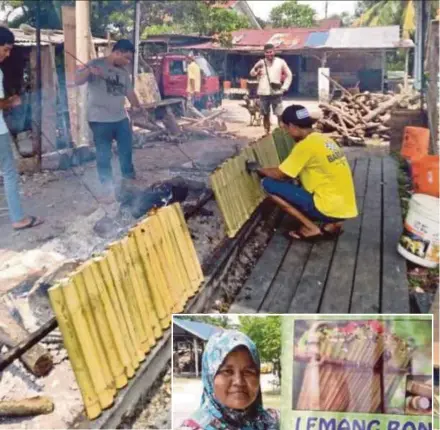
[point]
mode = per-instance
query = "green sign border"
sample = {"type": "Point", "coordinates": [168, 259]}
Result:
{"type": "Point", "coordinates": [289, 416]}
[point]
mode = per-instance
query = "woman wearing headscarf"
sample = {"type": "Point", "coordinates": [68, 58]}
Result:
{"type": "Point", "coordinates": [231, 396]}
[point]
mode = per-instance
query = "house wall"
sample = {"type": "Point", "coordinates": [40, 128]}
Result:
{"type": "Point", "coordinates": [344, 67]}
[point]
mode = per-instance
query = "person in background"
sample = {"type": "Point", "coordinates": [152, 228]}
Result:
{"type": "Point", "coordinates": [7, 162]}
{"type": "Point", "coordinates": [109, 83]}
{"type": "Point", "coordinates": [194, 79]}
{"type": "Point", "coordinates": [231, 397]}
{"type": "Point", "coordinates": [327, 195]}
{"type": "Point", "coordinates": [270, 72]}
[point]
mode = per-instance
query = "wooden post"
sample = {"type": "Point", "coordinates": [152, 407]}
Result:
{"type": "Point", "coordinates": [136, 37]}
{"type": "Point", "coordinates": [69, 29]}
{"type": "Point", "coordinates": [39, 89]}
{"type": "Point", "coordinates": [383, 67]}
{"type": "Point", "coordinates": [196, 356]}
{"type": "Point", "coordinates": [82, 16]}
{"type": "Point", "coordinates": [405, 82]}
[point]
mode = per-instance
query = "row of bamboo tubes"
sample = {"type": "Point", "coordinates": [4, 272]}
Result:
{"type": "Point", "coordinates": [112, 310]}
{"type": "Point", "coordinates": [237, 193]}
{"type": "Point", "coordinates": [343, 374]}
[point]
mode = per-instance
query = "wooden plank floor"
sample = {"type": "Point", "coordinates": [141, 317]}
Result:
{"type": "Point", "coordinates": [360, 272]}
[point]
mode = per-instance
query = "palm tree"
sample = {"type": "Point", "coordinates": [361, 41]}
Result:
{"type": "Point", "coordinates": [390, 12]}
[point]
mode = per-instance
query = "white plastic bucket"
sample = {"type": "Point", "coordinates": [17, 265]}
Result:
{"type": "Point", "coordinates": [419, 242]}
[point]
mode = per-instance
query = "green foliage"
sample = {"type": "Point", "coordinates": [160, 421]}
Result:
{"type": "Point", "coordinates": [345, 17]}
{"type": "Point", "coordinates": [174, 16]}
{"type": "Point", "coordinates": [420, 332]}
{"type": "Point", "coordinates": [292, 14]}
{"type": "Point", "coordinates": [266, 333]}
{"type": "Point", "coordinates": [220, 321]}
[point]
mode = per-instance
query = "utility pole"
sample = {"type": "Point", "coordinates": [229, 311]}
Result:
{"type": "Point", "coordinates": [326, 9]}
{"type": "Point", "coordinates": [82, 16]}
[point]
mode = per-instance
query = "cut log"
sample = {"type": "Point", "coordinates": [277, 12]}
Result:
{"type": "Point", "coordinates": [36, 359]}
{"type": "Point", "coordinates": [349, 119]}
{"type": "Point", "coordinates": [26, 407]}
{"type": "Point", "coordinates": [383, 108]}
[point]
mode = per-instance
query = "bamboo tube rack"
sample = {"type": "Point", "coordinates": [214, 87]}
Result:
{"type": "Point", "coordinates": [351, 372]}
{"type": "Point", "coordinates": [112, 310]}
{"type": "Point", "coordinates": [237, 193]}
{"type": "Point", "coordinates": [283, 142]}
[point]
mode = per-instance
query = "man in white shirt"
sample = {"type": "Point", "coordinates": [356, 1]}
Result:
{"type": "Point", "coordinates": [7, 162]}
{"type": "Point", "coordinates": [270, 72]}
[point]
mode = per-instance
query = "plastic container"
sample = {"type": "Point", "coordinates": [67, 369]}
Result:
{"type": "Point", "coordinates": [226, 85]}
{"type": "Point", "coordinates": [425, 175]}
{"type": "Point", "coordinates": [419, 242]}
{"type": "Point", "coordinates": [415, 143]}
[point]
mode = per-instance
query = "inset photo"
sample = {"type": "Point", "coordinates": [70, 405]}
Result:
{"type": "Point", "coordinates": [358, 369]}
{"type": "Point", "coordinates": [226, 372]}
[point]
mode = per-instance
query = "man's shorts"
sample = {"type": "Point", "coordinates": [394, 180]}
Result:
{"type": "Point", "coordinates": [298, 197]}
{"type": "Point", "coordinates": [276, 101]}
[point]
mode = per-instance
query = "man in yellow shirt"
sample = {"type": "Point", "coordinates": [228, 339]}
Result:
{"type": "Point", "coordinates": [326, 195]}
{"type": "Point", "coordinates": [194, 79]}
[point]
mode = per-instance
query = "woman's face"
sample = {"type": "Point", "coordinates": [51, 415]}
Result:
{"type": "Point", "coordinates": [237, 382]}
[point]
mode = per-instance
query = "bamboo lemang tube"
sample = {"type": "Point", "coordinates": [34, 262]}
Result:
{"type": "Point", "coordinates": [73, 347]}
{"type": "Point", "coordinates": [166, 259]}
{"type": "Point", "coordinates": [81, 318]}
{"type": "Point", "coordinates": [220, 199]}
{"type": "Point", "coordinates": [109, 328]}
{"type": "Point", "coordinates": [81, 283]}
{"type": "Point", "coordinates": [169, 236]}
{"type": "Point", "coordinates": [137, 301]}
{"type": "Point", "coordinates": [170, 216]}
{"type": "Point", "coordinates": [127, 350]}
{"type": "Point", "coordinates": [189, 243]}
{"type": "Point", "coordinates": [152, 316]}
{"type": "Point", "coordinates": [155, 276]}
{"type": "Point", "coordinates": [154, 284]}
{"type": "Point", "coordinates": [117, 277]}
{"type": "Point", "coordinates": [127, 290]}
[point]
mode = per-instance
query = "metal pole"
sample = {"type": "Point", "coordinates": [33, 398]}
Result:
{"type": "Point", "coordinates": [136, 37]}
{"type": "Point", "coordinates": [38, 117]}
{"type": "Point", "coordinates": [196, 356]}
{"type": "Point", "coordinates": [326, 9]}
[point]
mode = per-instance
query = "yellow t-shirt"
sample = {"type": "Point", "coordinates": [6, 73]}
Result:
{"type": "Point", "coordinates": [195, 75]}
{"type": "Point", "coordinates": [324, 172]}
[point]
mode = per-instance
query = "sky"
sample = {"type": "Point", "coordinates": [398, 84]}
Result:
{"type": "Point", "coordinates": [262, 8]}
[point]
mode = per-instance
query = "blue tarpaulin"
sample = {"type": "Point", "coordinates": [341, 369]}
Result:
{"type": "Point", "coordinates": [316, 39]}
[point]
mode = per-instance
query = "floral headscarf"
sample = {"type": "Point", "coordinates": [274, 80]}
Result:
{"type": "Point", "coordinates": [212, 415]}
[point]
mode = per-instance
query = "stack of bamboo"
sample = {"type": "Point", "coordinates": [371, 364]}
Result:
{"type": "Point", "coordinates": [355, 117]}
{"type": "Point", "coordinates": [345, 365]}
{"type": "Point", "coordinates": [112, 310]}
{"type": "Point", "coordinates": [237, 193]}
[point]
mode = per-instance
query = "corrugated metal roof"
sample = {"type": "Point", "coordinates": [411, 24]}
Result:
{"type": "Point", "coordinates": [289, 39]}
{"type": "Point", "coordinates": [363, 37]}
{"type": "Point", "coordinates": [201, 330]}
{"type": "Point", "coordinates": [316, 39]}
{"type": "Point", "coordinates": [56, 37]}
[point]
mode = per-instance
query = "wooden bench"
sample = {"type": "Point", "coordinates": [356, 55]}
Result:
{"type": "Point", "coordinates": [361, 272]}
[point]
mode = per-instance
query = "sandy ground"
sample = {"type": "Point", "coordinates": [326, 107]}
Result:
{"type": "Point", "coordinates": [186, 395]}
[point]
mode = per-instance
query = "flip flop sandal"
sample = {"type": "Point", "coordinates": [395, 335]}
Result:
{"type": "Point", "coordinates": [312, 239]}
{"type": "Point", "coordinates": [34, 222]}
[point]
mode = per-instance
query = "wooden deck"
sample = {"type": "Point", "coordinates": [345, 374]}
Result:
{"type": "Point", "coordinates": [361, 272]}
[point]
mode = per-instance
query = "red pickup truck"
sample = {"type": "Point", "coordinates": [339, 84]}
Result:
{"type": "Point", "coordinates": [171, 75]}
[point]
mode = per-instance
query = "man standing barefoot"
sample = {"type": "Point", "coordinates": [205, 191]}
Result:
{"type": "Point", "coordinates": [7, 162]}
{"type": "Point", "coordinates": [270, 72]}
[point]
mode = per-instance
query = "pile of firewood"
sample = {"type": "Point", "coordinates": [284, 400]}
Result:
{"type": "Point", "coordinates": [354, 117]}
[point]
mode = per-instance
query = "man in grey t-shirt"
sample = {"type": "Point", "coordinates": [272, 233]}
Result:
{"type": "Point", "coordinates": [109, 84]}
